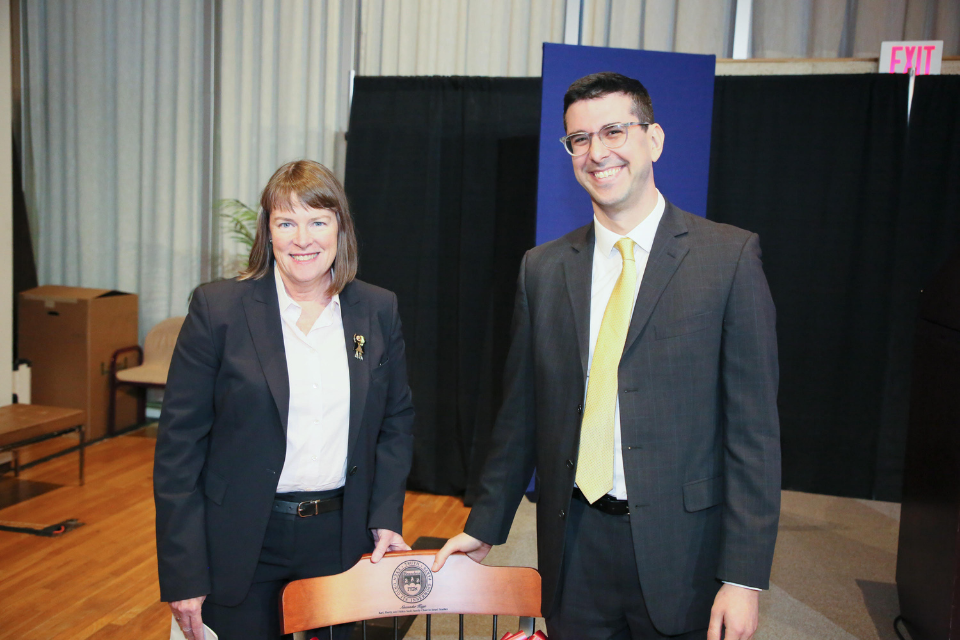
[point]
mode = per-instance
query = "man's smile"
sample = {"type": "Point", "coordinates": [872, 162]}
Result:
{"type": "Point", "coordinates": [606, 174]}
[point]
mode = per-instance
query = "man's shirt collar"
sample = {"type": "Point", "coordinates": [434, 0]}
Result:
{"type": "Point", "coordinates": [642, 234]}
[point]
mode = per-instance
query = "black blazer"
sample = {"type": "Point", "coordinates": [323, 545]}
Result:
{"type": "Point", "coordinates": [698, 406]}
{"type": "Point", "coordinates": [222, 436]}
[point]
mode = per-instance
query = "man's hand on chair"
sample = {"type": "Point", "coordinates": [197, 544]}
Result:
{"type": "Point", "coordinates": [735, 613]}
{"type": "Point", "coordinates": [386, 540]}
{"type": "Point", "coordinates": [475, 549]}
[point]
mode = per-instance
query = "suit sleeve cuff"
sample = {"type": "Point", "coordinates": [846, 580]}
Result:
{"type": "Point", "coordinates": [742, 586]}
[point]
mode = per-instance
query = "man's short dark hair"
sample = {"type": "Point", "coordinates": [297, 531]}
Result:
{"type": "Point", "coordinates": [598, 85]}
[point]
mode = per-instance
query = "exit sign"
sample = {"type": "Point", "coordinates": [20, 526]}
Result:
{"type": "Point", "coordinates": [923, 56]}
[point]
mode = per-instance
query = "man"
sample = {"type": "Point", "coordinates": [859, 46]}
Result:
{"type": "Point", "coordinates": [641, 384]}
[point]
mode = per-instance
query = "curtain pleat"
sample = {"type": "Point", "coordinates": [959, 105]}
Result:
{"type": "Point", "coordinates": [845, 29]}
{"type": "Point", "coordinates": [687, 26]}
{"type": "Point", "coordinates": [457, 37]}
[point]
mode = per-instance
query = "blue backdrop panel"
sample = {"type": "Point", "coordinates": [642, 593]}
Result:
{"type": "Point", "coordinates": [681, 86]}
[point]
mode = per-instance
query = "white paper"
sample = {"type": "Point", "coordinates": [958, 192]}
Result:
{"type": "Point", "coordinates": [177, 634]}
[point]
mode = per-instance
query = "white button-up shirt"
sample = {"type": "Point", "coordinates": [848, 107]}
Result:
{"type": "Point", "coordinates": [607, 265]}
{"type": "Point", "coordinates": [318, 421]}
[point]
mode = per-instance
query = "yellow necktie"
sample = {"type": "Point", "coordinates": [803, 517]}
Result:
{"type": "Point", "coordinates": [595, 461]}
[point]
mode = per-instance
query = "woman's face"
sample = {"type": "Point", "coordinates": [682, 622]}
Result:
{"type": "Point", "coordinates": [304, 246]}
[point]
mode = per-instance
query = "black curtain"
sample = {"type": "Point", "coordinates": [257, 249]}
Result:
{"type": "Point", "coordinates": [927, 232]}
{"type": "Point", "coordinates": [855, 213]}
{"type": "Point", "coordinates": [852, 219]}
{"type": "Point", "coordinates": [441, 175]}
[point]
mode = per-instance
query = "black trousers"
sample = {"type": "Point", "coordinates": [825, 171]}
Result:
{"type": "Point", "coordinates": [600, 597]}
{"type": "Point", "coordinates": [293, 548]}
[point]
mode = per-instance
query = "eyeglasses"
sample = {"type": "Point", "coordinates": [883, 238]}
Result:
{"type": "Point", "coordinates": [612, 136]}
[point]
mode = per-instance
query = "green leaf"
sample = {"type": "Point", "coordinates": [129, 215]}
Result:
{"type": "Point", "coordinates": [242, 220]}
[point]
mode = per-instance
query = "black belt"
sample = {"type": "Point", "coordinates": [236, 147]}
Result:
{"type": "Point", "coordinates": [607, 504]}
{"type": "Point", "coordinates": [327, 502]}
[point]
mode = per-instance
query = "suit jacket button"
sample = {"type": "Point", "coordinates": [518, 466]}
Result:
{"type": "Point", "coordinates": [579, 409]}
{"type": "Point", "coordinates": [352, 471]}
{"type": "Point", "coordinates": [570, 464]}
{"type": "Point", "coordinates": [563, 514]}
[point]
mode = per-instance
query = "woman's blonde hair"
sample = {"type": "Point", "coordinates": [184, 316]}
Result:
{"type": "Point", "coordinates": [313, 185]}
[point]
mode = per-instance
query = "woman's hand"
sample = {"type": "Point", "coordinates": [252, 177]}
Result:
{"type": "Point", "coordinates": [187, 615]}
{"type": "Point", "coordinates": [386, 540]}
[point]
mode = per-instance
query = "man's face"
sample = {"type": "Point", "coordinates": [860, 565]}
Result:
{"type": "Point", "coordinates": [616, 179]}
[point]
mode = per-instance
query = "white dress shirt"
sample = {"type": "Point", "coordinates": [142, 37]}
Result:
{"type": "Point", "coordinates": [607, 264]}
{"type": "Point", "coordinates": [318, 421]}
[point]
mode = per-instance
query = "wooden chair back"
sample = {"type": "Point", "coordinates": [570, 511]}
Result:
{"type": "Point", "coordinates": [402, 584]}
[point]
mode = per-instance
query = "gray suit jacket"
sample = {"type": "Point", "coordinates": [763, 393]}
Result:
{"type": "Point", "coordinates": [699, 424]}
{"type": "Point", "coordinates": [222, 437]}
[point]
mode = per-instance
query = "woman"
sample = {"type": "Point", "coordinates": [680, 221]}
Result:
{"type": "Point", "coordinates": [286, 432]}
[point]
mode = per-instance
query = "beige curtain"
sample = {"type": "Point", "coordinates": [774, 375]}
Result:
{"type": "Point", "coordinates": [686, 26]}
{"type": "Point", "coordinates": [112, 143]}
{"type": "Point", "coordinates": [283, 95]}
{"type": "Point", "coordinates": [457, 37]}
{"type": "Point", "coordinates": [850, 28]}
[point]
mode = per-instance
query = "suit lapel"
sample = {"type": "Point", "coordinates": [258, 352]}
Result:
{"type": "Point", "coordinates": [263, 318]}
{"type": "Point", "coordinates": [669, 247]}
{"type": "Point", "coordinates": [356, 321]}
{"type": "Point", "coordinates": [578, 272]}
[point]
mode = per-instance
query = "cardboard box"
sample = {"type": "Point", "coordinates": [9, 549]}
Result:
{"type": "Point", "coordinates": [69, 335]}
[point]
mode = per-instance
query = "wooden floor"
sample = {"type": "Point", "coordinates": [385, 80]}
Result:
{"type": "Point", "coordinates": [100, 581]}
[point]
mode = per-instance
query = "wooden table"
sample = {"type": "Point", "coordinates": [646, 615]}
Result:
{"type": "Point", "coordinates": [26, 424]}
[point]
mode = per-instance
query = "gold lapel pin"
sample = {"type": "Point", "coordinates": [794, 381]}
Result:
{"type": "Point", "coordinates": [358, 351]}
